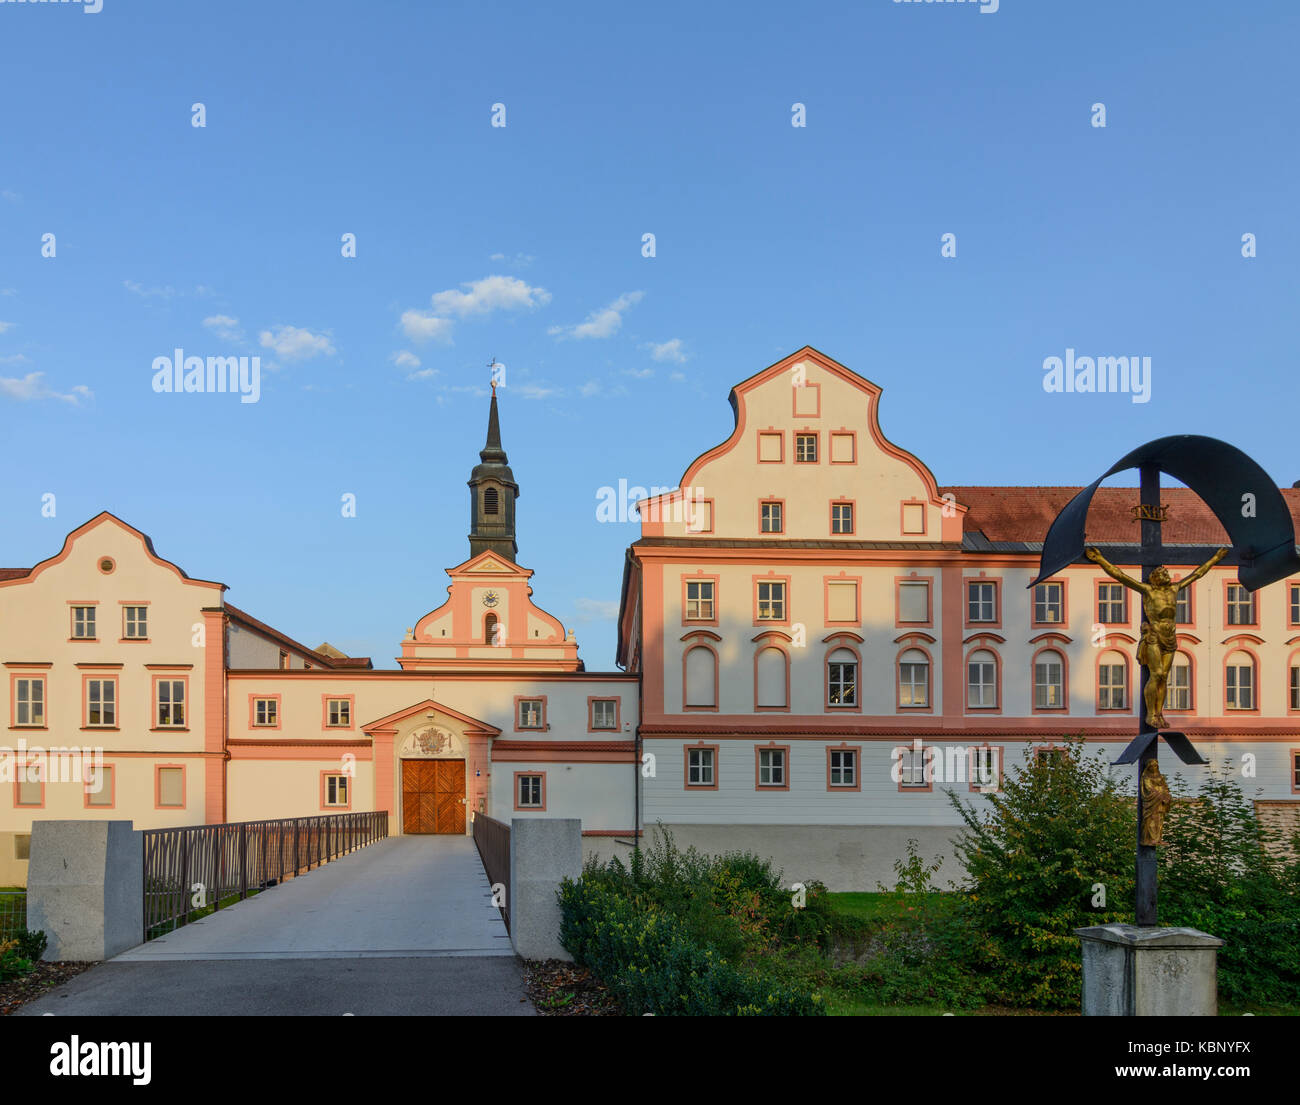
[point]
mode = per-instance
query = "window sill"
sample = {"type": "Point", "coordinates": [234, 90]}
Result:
{"type": "Point", "coordinates": [143, 641]}
{"type": "Point", "coordinates": [101, 729]}
{"type": "Point", "coordinates": [170, 729]}
{"type": "Point", "coordinates": [83, 640]}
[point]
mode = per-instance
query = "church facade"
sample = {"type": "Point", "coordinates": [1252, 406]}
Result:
{"type": "Point", "coordinates": [816, 642]}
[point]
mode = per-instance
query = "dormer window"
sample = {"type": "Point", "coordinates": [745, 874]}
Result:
{"type": "Point", "coordinates": [491, 501]}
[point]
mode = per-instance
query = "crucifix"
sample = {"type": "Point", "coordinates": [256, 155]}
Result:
{"type": "Point", "coordinates": [1155, 655]}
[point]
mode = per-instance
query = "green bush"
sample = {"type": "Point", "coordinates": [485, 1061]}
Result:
{"type": "Point", "coordinates": [651, 964]}
{"type": "Point", "coordinates": [13, 963]}
{"type": "Point", "coordinates": [31, 944]}
{"type": "Point", "coordinates": [1223, 871]}
{"type": "Point", "coordinates": [1057, 838]}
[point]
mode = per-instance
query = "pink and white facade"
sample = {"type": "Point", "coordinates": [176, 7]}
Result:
{"type": "Point", "coordinates": [807, 627]}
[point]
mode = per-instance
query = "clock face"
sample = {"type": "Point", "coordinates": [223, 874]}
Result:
{"type": "Point", "coordinates": [491, 599]}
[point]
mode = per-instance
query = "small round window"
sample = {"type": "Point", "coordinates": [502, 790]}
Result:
{"type": "Point", "coordinates": [106, 564]}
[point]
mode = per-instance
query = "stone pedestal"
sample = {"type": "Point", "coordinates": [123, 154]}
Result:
{"type": "Point", "coordinates": [1136, 971]}
{"type": "Point", "coordinates": [85, 888]}
{"type": "Point", "coordinates": [543, 850]}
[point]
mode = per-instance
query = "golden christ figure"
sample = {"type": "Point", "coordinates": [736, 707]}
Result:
{"type": "Point", "coordinates": [1159, 641]}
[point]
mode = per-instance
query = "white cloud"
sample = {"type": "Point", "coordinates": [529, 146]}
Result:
{"type": "Point", "coordinates": [639, 373]}
{"type": "Point", "coordinates": [31, 387]}
{"type": "Point", "coordinates": [603, 323]}
{"type": "Point", "coordinates": [8, 291]}
{"type": "Point", "coordinates": [5, 326]}
{"type": "Point", "coordinates": [518, 261]}
{"type": "Point", "coordinates": [423, 374]}
{"type": "Point", "coordinates": [149, 293]}
{"type": "Point", "coordinates": [590, 388]}
{"type": "Point", "coordinates": [11, 195]}
{"type": "Point", "coordinates": [667, 351]}
{"type": "Point", "coordinates": [534, 391]}
{"type": "Point", "coordinates": [420, 326]}
{"type": "Point", "coordinates": [15, 358]}
{"type": "Point", "coordinates": [404, 358]}
{"type": "Point", "coordinates": [678, 377]}
{"type": "Point", "coordinates": [295, 344]}
{"type": "Point", "coordinates": [596, 609]}
{"type": "Point", "coordinates": [492, 293]}
{"type": "Point", "coordinates": [225, 327]}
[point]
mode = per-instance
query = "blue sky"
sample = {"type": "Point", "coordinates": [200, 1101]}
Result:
{"type": "Point", "coordinates": [523, 243]}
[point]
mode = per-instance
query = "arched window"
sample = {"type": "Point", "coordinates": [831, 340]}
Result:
{"type": "Point", "coordinates": [1178, 689]}
{"type": "Point", "coordinates": [1112, 681]}
{"type": "Point", "coordinates": [842, 678]}
{"type": "Point", "coordinates": [1049, 681]}
{"type": "Point", "coordinates": [491, 501]}
{"type": "Point", "coordinates": [701, 677]}
{"type": "Point", "coordinates": [1239, 690]}
{"type": "Point", "coordinates": [490, 629]}
{"type": "Point", "coordinates": [981, 680]}
{"type": "Point", "coordinates": [770, 678]}
{"type": "Point", "coordinates": [913, 678]}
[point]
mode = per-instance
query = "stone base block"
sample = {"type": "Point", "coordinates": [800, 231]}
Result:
{"type": "Point", "coordinates": [85, 888]}
{"type": "Point", "coordinates": [543, 850]}
{"type": "Point", "coordinates": [1137, 971]}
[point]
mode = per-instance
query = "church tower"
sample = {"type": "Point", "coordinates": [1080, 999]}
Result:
{"type": "Point", "coordinates": [492, 495]}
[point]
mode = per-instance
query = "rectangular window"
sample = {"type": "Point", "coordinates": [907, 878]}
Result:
{"type": "Point", "coordinates": [1294, 598]}
{"type": "Point", "coordinates": [284, 660]}
{"type": "Point", "coordinates": [981, 684]}
{"type": "Point", "coordinates": [914, 602]}
{"type": "Point", "coordinates": [841, 518]}
{"type": "Point", "coordinates": [135, 622]}
{"type": "Point", "coordinates": [29, 701]}
{"type": "Point", "coordinates": [700, 767]}
{"type": "Point", "coordinates": [981, 602]}
{"type": "Point", "coordinates": [1050, 757]}
{"type": "Point", "coordinates": [530, 713]}
{"type": "Point", "coordinates": [338, 713]}
{"type": "Point", "coordinates": [914, 682]}
{"type": "Point", "coordinates": [1178, 690]}
{"type": "Point", "coordinates": [1295, 770]}
{"type": "Point", "coordinates": [912, 767]}
{"type": "Point", "coordinates": [1049, 688]}
{"type": "Point", "coordinates": [171, 786]}
{"type": "Point", "coordinates": [1049, 603]}
{"type": "Point", "coordinates": [1240, 689]}
{"type": "Point", "coordinates": [1110, 687]}
{"type": "Point", "coordinates": [529, 791]}
{"type": "Point", "coordinates": [1110, 604]}
{"type": "Point", "coordinates": [699, 600]}
{"type": "Point", "coordinates": [1295, 688]}
{"type": "Point", "coordinates": [842, 601]}
{"type": "Point", "coordinates": [771, 767]}
{"type": "Point", "coordinates": [101, 702]}
{"type": "Point", "coordinates": [1241, 605]}
{"type": "Point", "coordinates": [842, 683]}
{"type": "Point", "coordinates": [771, 518]}
{"type": "Point", "coordinates": [336, 790]}
{"type": "Point", "coordinates": [844, 767]}
{"type": "Point", "coordinates": [169, 709]}
{"type": "Point", "coordinates": [805, 448]}
{"type": "Point", "coordinates": [31, 784]}
{"type": "Point", "coordinates": [984, 769]}
{"type": "Point", "coordinates": [83, 623]}
{"type": "Point", "coordinates": [771, 602]}
{"type": "Point", "coordinates": [100, 786]}
{"type": "Point", "coordinates": [603, 713]}
{"type": "Point", "coordinates": [1183, 607]}
{"type": "Point", "coordinates": [266, 711]}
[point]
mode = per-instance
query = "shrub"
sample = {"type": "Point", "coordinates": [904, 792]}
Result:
{"type": "Point", "coordinates": [31, 944]}
{"type": "Point", "coordinates": [1033, 857]}
{"type": "Point", "coordinates": [12, 962]}
{"type": "Point", "coordinates": [651, 963]}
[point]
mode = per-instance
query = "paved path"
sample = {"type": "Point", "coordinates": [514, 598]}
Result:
{"type": "Point", "coordinates": [404, 927]}
{"type": "Point", "coordinates": [405, 897]}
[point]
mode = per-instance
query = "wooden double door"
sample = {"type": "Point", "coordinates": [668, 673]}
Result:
{"type": "Point", "coordinates": [433, 796]}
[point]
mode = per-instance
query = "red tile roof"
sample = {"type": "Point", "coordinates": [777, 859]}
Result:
{"type": "Point", "coordinates": [1025, 513]}
{"type": "Point", "coordinates": [14, 573]}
